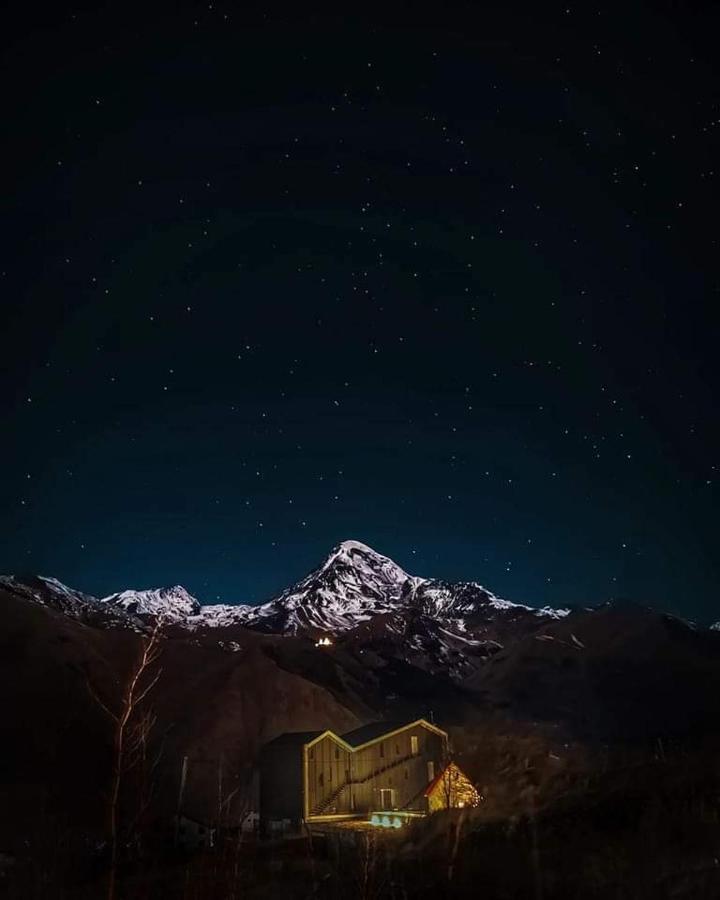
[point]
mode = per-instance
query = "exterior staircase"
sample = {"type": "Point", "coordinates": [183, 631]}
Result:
{"type": "Point", "coordinates": [325, 804]}
{"type": "Point", "coordinates": [328, 801]}
{"type": "Point", "coordinates": [415, 797]}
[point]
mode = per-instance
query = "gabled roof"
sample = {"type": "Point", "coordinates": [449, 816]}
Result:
{"type": "Point", "coordinates": [369, 732]}
{"type": "Point", "coordinates": [353, 740]}
{"type": "Point", "coordinates": [331, 734]}
{"type": "Point", "coordinates": [378, 731]}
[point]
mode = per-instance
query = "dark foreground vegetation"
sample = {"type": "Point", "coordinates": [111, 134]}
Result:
{"type": "Point", "coordinates": [645, 831]}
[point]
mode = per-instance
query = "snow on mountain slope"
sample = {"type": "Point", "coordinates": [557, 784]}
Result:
{"type": "Point", "coordinates": [356, 584]}
{"type": "Point", "coordinates": [55, 595]}
{"type": "Point", "coordinates": [48, 592]}
{"type": "Point", "coordinates": [173, 604]}
{"type": "Point", "coordinates": [221, 615]}
{"type": "Point", "coordinates": [458, 600]}
{"type": "Point", "coordinates": [353, 584]}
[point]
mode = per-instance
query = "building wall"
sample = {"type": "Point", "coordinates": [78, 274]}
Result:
{"type": "Point", "coordinates": [398, 769]}
{"type": "Point", "coordinates": [281, 787]}
{"type": "Point", "coordinates": [327, 768]}
{"type": "Point", "coordinates": [393, 764]}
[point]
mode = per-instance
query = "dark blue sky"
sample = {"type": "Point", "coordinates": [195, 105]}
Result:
{"type": "Point", "coordinates": [441, 280]}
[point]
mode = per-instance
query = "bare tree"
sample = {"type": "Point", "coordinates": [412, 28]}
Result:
{"type": "Point", "coordinates": [140, 757]}
{"type": "Point", "coordinates": [447, 782]}
{"type": "Point", "coordinates": [131, 732]}
{"type": "Point", "coordinates": [448, 785]}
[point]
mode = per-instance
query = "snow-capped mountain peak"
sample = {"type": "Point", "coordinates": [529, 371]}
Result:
{"type": "Point", "coordinates": [53, 594]}
{"type": "Point", "coordinates": [173, 604]}
{"type": "Point", "coordinates": [354, 562]}
{"type": "Point", "coordinates": [353, 584]}
{"type": "Point", "coordinates": [48, 592]}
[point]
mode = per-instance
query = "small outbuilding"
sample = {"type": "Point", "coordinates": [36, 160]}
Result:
{"type": "Point", "coordinates": [451, 789]}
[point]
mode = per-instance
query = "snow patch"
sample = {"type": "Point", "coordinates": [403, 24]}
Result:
{"type": "Point", "coordinates": [173, 604]}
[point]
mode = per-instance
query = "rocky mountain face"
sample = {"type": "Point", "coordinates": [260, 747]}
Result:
{"type": "Point", "coordinates": [173, 604]}
{"type": "Point", "coordinates": [53, 594]}
{"type": "Point", "coordinates": [353, 584]}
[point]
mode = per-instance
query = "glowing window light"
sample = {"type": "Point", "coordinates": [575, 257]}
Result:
{"type": "Point", "coordinates": [381, 820]}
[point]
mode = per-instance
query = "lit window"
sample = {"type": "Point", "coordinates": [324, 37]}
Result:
{"type": "Point", "coordinates": [414, 744]}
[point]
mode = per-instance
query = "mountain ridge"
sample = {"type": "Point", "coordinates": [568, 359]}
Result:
{"type": "Point", "coordinates": [360, 599]}
{"type": "Point", "coordinates": [353, 584]}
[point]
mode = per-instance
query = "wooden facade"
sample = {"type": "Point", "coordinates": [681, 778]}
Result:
{"type": "Point", "coordinates": [379, 767]}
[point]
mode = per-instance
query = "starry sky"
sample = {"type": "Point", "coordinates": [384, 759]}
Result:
{"type": "Point", "coordinates": [443, 279]}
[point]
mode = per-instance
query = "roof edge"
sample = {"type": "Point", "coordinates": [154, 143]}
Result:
{"type": "Point", "coordinates": [328, 733]}
{"type": "Point", "coordinates": [381, 737]}
{"type": "Point", "coordinates": [394, 731]}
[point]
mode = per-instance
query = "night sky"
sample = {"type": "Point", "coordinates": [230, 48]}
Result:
{"type": "Point", "coordinates": [443, 279]}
